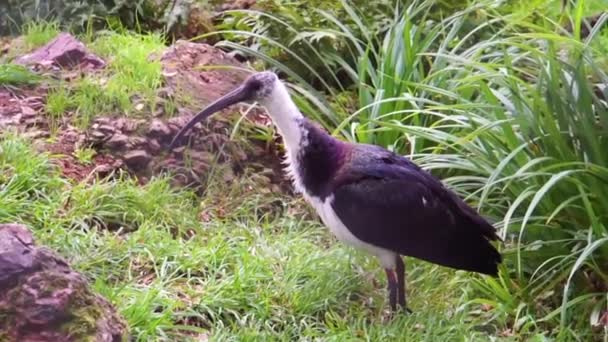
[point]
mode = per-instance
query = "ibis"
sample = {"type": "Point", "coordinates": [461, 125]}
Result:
{"type": "Point", "coordinates": [369, 197]}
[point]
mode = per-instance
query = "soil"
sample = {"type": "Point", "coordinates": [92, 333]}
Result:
{"type": "Point", "coordinates": [140, 145]}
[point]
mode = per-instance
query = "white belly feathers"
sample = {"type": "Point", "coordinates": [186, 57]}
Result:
{"type": "Point", "coordinates": [335, 225]}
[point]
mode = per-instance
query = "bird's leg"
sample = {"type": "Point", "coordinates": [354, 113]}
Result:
{"type": "Point", "coordinates": [400, 271]}
{"type": "Point", "coordinates": [392, 288]}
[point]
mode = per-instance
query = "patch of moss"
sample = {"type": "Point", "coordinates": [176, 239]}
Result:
{"type": "Point", "coordinates": [84, 314]}
{"type": "Point", "coordinates": [83, 311]}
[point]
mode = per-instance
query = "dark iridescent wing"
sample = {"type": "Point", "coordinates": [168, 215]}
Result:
{"type": "Point", "coordinates": [386, 200]}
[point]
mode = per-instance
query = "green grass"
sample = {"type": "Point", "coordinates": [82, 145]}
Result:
{"type": "Point", "coordinates": [134, 72]}
{"type": "Point", "coordinates": [57, 104]}
{"type": "Point", "coordinates": [127, 86]}
{"type": "Point", "coordinates": [38, 33]}
{"type": "Point", "coordinates": [17, 75]}
{"type": "Point", "coordinates": [247, 270]}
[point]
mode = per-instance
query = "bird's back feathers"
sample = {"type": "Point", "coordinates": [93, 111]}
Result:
{"type": "Point", "coordinates": [388, 201]}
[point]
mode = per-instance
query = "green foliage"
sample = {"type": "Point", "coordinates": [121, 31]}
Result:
{"type": "Point", "coordinates": [75, 14]}
{"type": "Point", "coordinates": [57, 103]}
{"type": "Point", "coordinates": [134, 60]}
{"type": "Point", "coordinates": [17, 75]}
{"type": "Point", "coordinates": [519, 130]}
{"type": "Point", "coordinates": [79, 15]}
{"type": "Point", "coordinates": [514, 122]}
{"type": "Point", "coordinates": [38, 33]}
{"type": "Point", "coordinates": [287, 31]}
{"type": "Point", "coordinates": [85, 155]}
{"type": "Point", "coordinates": [127, 85]}
{"type": "Point", "coordinates": [26, 178]}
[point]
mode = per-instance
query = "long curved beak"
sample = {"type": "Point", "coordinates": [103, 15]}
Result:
{"type": "Point", "coordinates": [237, 95]}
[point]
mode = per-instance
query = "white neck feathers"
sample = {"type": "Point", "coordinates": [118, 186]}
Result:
{"type": "Point", "coordinates": [287, 118]}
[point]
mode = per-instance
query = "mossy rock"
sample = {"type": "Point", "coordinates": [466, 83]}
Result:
{"type": "Point", "coordinates": [43, 299]}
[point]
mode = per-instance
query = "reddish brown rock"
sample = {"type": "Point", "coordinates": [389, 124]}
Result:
{"type": "Point", "coordinates": [43, 299]}
{"type": "Point", "coordinates": [153, 146]}
{"type": "Point", "coordinates": [159, 130]}
{"type": "Point", "coordinates": [64, 51]}
{"type": "Point", "coordinates": [137, 159]}
{"type": "Point", "coordinates": [117, 142]}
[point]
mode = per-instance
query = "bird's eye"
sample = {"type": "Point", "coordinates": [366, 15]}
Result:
{"type": "Point", "coordinates": [256, 85]}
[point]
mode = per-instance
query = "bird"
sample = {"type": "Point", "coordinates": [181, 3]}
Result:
{"type": "Point", "coordinates": [369, 197]}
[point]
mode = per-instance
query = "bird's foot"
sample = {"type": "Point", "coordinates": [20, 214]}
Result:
{"type": "Point", "coordinates": [392, 313]}
{"type": "Point", "coordinates": [402, 309]}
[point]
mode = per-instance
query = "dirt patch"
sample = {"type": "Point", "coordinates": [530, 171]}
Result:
{"type": "Point", "coordinates": [194, 75]}
{"type": "Point", "coordinates": [236, 4]}
{"type": "Point", "coordinates": [64, 150]}
{"type": "Point", "coordinates": [199, 73]}
{"type": "Point", "coordinates": [21, 107]}
{"type": "Point", "coordinates": [22, 111]}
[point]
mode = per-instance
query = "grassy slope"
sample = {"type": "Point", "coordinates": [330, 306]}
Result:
{"type": "Point", "coordinates": [243, 273]}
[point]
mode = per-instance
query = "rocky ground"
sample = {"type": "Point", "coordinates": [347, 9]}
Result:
{"type": "Point", "coordinates": [139, 144]}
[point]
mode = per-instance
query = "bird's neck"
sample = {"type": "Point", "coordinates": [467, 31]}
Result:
{"type": "Point", "coordinates": [319, 160]}
{"type": "Point", "coordinates": [313, 156]}
{"type": "Point", "coordinates": [287, 118]}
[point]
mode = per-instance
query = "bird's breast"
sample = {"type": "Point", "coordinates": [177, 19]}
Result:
{"type": "Point", "coordinates": [329, 217]}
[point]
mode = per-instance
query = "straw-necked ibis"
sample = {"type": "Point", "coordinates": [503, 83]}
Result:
{"type": "Point", "coordinates": [369, 197]}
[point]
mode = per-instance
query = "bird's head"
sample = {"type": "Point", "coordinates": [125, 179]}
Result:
{"type": "Point", "coordinates": [259, 87]}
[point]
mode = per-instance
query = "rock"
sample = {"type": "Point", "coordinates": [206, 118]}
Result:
{"type": "Point", "coordinates": [43, 299]}
{"type": "Point", "coordinates": [107, 129]}
{"type": "Point", "coordinates": [179, 150]}
{"type": "Point", "coordinates": [127, 125]}
{"type": "Point", "coordinates": [239, 155]}
{"type": "Point", "coordinates": [98, 135]}
{"type": "Point", "coordinates": [35, 102]}
{"type": "Point", "coordinates": [27, 111]}
{"type": "Point", "coordinates": [64, 51]}
{"type": "Point", "coordinates": [176, 123]}
{"type": "Point", "coordinates": [203, 156]}
{"type": "Point", "coordinates": [35, 134]}
{"type": "Point", "coordinates": [137, 142]}
{"type": "Point", "coordinates": [14, 254]}
{"type": "Point", "coordinates": [117, 141]}
{"type": "Point", "coordinates": [102, 120]}
{"type": "Point", "coordinates": [103, 170]}
{"type": "Point", "coordinates": [159, 130]}
{"type": "Point", "coordinates": [228, 175]}
{"type": "Point", "coordinates": [137, 159]}
{"type": "Point", "coordinates": [153, 146]}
